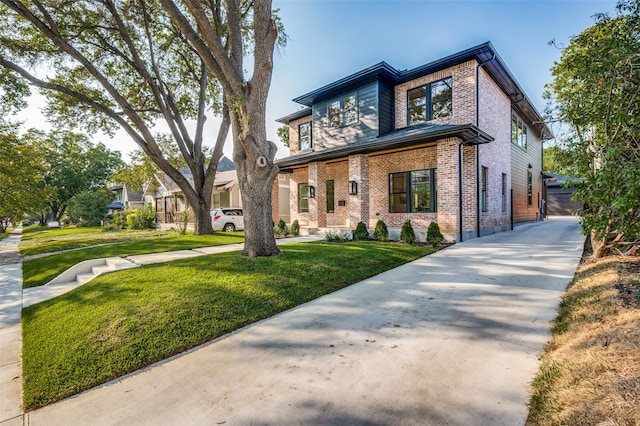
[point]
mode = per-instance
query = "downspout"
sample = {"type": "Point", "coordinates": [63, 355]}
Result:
{"type": "Point", "coordinates": [477, 145]}
{"type": "Point", "coordinates": [460, 187]}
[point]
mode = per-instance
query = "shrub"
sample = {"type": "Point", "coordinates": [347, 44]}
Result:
{"type": "Point", "coordinates": [110, 227]}
{"type": "Point", "coordinates": [337, 237]}
{"type": "Point", "coordinates": [434, 236]}
{"type": "Point", "coordinates": [183, 221]}
{"type": "Point", "coordinates": [281, 229]}
{"type": "Point", "coordinates": [361, 232]}
{"type": "Point", "coordinates": [295, 228]}
{"type": "Point", "coordinates": [381, 233]}
{"type": "Point", "coordinates": [406, 233]}
{"type": "Point", "coordinates": [120, 219]}
{"type": "Point", "coordinates": [141, 219]}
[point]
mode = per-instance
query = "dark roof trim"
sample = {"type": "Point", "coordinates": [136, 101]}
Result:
{"type": "Point", "coordinates": [380, 71]}
{"type": "Point", "coordinates": [468, 133]}
{"type": "Point", "coordinates": [484, 53]}
{"type": "Point", "coordinates": [295, 116]}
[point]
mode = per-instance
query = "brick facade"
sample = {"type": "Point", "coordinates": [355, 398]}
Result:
{"type": "Point", "coordinates": [478, 102]}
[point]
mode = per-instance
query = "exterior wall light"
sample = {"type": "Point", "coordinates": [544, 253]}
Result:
{"type": "Point", "coordinates": [353, 187]}
{"type": "Point", "coordinates": [312, 191]}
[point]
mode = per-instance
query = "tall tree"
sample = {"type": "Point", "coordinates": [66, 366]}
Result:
{"type": "Point", "coordinates": [215, 30]}
{"type": "Point", "coordinates": [106, 63]}
{"type": "Point", "coordinates": [73, 165]}
{"type": "Point", "coordinates": [21, 165]}
{"type": "Point", "coordinates": [596, 90]}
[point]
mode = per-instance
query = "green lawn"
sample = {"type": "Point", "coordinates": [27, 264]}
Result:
{"type": "Point", "coordinates": [123, 321]}
{"type": "Point", "coordinates": [39, 271]}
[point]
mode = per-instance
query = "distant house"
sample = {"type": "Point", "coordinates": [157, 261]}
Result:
{"type": "Point", "coordinates": [560, 190]}
{"type": "Point", "coordinates": [126, 199]}
{"type": "Point", "coordinates": [455, 141]}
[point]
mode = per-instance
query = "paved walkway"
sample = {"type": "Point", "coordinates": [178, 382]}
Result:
{"type": "Point", "coordinates": [10, 331]}
{"type": "Point", "coordinates": [451, 338]}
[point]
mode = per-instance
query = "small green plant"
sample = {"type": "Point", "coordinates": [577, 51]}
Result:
{"type": "Point", "coordinates": [381, 233]}
{"type": "Point", "coordinates": [337, 236]}
{"type": "Point", "coordinates": [361, 232]}
{"type": "Point", "coordinates": [295, 228]}
{"type": "Point", "coordinates": [110, 227]}
{"type": "Point", "coordinates": [407, 234]}
{"type": "Point", "coordinates": [141, 219]}
{"type": "Point", "coordinates": [183, 221]}
{"type": "Point", "coordinates": [120, 219]}
{"type": "Point", "coordinates": [434, 236]}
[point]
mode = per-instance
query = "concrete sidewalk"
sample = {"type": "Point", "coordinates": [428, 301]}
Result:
{"type": "Point", "coordinates": [451, 338]}
{"type": "Point", "coordinates": [10, 330]}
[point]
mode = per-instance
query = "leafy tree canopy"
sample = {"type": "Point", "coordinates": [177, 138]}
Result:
{"type": "Point", "coordinates": [596, 91]}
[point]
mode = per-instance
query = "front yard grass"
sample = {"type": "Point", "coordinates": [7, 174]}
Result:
{"type": "Point", "coordinates": [41, 270]}
{"type": "Point", "coordinates": [590, 372]}
{"type": "Point", "coordinates": [126, 320]}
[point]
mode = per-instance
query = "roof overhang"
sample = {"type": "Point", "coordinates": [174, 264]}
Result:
{"type": "Point", "coordinates": [467, 133]}
{"type": "Point", "coordinates": [486, 56]}
{"type": "Point", "coordinates": [305, 112]}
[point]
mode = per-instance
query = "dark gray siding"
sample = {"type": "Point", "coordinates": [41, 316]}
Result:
{"type": "Point", "coordinates": [366, 128]}
{"type": "Point", "coordinates": [386, 115]}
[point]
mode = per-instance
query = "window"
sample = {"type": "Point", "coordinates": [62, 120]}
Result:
{"type": "Point", "coordinates": [343, 112]}
{"type": "Point", "coordinates": [413, 191]}
{"type": "Point", "coordinates": [331, 206]}
{"type": "Point", "coordinates": [504, 192]}
{"type": "Point", "coordinates": [518, 131]}
{"type": "Point", "coordinates": [483, 189]}
{"type": "Point", "coordinates": [305, 135]}
{"type": "Point", "coordinates": [303, 198]}
{"type": "Point", "coordinates": [431, 101]}
{"type": "Point", "coordinates": [529, 188]}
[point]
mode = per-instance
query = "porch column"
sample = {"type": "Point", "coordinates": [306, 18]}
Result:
{"type": "Point", "coordinates": [359, 202]}
{"type": "Point", "coordinates": [275, 201]}
{"type": "Point", "coordinates": [317, 205]}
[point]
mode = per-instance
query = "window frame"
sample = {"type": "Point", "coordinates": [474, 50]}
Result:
{"type": "Point", "coordinates": [427, 105]}
{"type": "Point", "coordinates": [407, 188]}
{"type": "Point", "coordinates": [336, 112]}
{"type": "Point", "coordinates": [504, 193]}
{"type": "Point", "coordinates": [331, 196]}
{"type": "Point", "coordinates": [484, 177]}
{"type": "Point", "coordinates": [300, 126]}
{"type": "Point", "coordinates": [303, 197]}
{"type": "Point", "coordinates": [519, 131]}
{"type": "Point", "coordinates": [529, 188]}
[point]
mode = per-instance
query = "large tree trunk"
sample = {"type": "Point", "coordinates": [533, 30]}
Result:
{"type": "Point", "coordinates": [256, 174]}
{"type": "Point", "coordinates": [201, 211]}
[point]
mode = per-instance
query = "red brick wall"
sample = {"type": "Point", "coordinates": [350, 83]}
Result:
{"type": "Point", "coordinates": [298, 176]}
{"type": "Point", "coordinates": [339, 173]}
{"type": "Point", "coordinates": [464, 94]}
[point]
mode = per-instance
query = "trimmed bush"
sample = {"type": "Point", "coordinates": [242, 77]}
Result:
{"type": "Point", "coordinates": [120, 219]}
{"type": "Point", "coordinates": [434, 236]}
{"type": "Point", "coordinates": [337, 237]}
{"type": "Point", "coordinates": [407, 234]}
{"type": "Point", "coordinates": [281, 229]}
{"type": "Point", "coordinates": [295, 228]}
{"type": "Point", "coordinates": [361, 232]}
{"type": "Point", "coordinates": [381, 233]}
{"type": "Point", "coordinates": [141, 219]}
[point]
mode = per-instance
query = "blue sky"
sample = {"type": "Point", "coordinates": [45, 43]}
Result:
{"type": "Point", "coordinates": [330, 39]}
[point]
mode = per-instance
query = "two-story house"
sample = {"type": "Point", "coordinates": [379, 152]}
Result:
{"type": "Point", "coordinates": [455, 141]}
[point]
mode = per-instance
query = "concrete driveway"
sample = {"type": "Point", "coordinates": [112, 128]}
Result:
{"type": "Point", "coordinates": [451, 338]}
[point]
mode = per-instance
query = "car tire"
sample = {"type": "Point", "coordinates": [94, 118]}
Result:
{"type": "Point", "coordinates": [229, 227]}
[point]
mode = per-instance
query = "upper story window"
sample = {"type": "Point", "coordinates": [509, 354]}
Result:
{"type": "Point", "coordinates": [343, 111]}
{"type": "Point", "coordinates": [518, 131]}
{"type": "Point", "coordinates": [305, 135]}
{"type": "Point", "coordinates": [431, 101]}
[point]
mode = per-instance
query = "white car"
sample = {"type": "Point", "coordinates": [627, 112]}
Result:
{"type": "Point", "coordinates": [227, 219]}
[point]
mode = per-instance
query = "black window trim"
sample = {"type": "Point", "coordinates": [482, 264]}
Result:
{"type": "Point", "coordinates": [331, 200]}
{"type": "Point", "coordinates": [341, 100]}
{"type": "Point", "coordinates": [428, 107]}
{"type": "Point", "coordinates": [306, 123]}
{"type": "Point", "coordinates": [433, 175]}
{"type": "Point", "coordinates": [303, 195]}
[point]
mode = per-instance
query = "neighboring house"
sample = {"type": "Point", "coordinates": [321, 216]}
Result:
{"type": "Point", "coordinates": [455, 141]}
{"type": "Point", "coordinates": [126, 199]}
{"type": "Point", "coordinates": [560, 189]}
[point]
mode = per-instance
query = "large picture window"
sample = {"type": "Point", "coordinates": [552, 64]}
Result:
{"type": "Point", "coordinates": [413, 191]}
{"type": "Point", "coordinates": [431, 101]}
{"type": "Point", "coordinates": [305, 135]}
{"type": "Point", "coordinates": [303, 198]}
{"type": "Point", "coordinates": [518, 131]}
{"type": "Point", "coordinates": [343, 111]}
